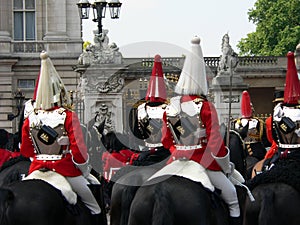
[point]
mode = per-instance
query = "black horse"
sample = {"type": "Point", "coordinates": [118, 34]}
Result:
{"type": "Point", "coordinates": [125, 183]}
{"type": "Point", "coordinates": [14, 170]}
{"type": "Point", "coordinates": [275, 203]}
{"type": "Point", "coordinates": [178, 201]}
{"type": "Point", "coordinates": [15, 195]}
{"type": "Point", "coordinates": [9, 141]}
{"type": "Point", "coordinates": [35, 202]}
{"type": "Point", "coordinates": [126, 186]}
{"type": "Point", "coordinates": [277, 194]}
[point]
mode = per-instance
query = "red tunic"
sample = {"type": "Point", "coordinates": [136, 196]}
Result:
{"type": "Point", "coordinates": [214, 145]}
{"type": "Point", "coordinates": [114, 161]}
{"type": "Point", "coordinates": [65, 166]}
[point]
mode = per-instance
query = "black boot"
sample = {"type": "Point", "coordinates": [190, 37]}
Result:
{"type": "Point", "coordinates": [98, 194]}
{"type": "Point", "coordinates": [235, 220]}
{"type": "Point", "coordinates": [96, 219]}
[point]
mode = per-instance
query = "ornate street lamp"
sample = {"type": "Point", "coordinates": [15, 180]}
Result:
{"type": "Point", "coordinates": [19, 98]}
{"type": "Point", "coordinates": [99, 10]}
{"type": "Point", "coordinates": [84, 9]}
{"type": "Point", "coordinates": [114, 8]}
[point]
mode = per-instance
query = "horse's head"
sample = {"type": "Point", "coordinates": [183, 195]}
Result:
{"type": "Point", "coordinates": [115, 141]}
{"type": "Point", "coordinates": [4, 136]}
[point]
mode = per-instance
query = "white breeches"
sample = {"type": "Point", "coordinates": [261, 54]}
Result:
{"type": "Point", "coordinates": [79, 185]}
{"type": "Point", "coordinates": [228, 192]}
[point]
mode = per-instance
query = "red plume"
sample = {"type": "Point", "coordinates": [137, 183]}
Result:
{"type": "Point", "coordinates": [156, 90]}
{"type": "Point", "coordinates": [246, 106]}
{"type": "Point", "coordinates": [292, 86]}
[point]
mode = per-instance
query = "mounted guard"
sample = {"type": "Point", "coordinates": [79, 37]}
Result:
{"type": "Point", "coordinates": [52, 136]}
{"type": "Point", "coordinates": [148, 122]}
{"type": "Point", "coordinates": [286, 116]}
{"type": "Point", "coordinates": [277, 188]}
{"type": "Point", "coordinates": [192, 133]}
{"type": "Point", "coordinates": [256, 131]}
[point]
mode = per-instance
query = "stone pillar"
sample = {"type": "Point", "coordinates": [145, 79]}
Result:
{"type": "Point", "coordinates": [221, 97]}
{"type": "Point", "coordinates": [101, 84]}
{"type": "Point", "coordinates": [6, 86]}
{"type": "Point", "coordinates": [56, 20]}
{"type": "Point", "coordinates": [227, 87]}
{"type": "Point", "coordinates": [5, 26]}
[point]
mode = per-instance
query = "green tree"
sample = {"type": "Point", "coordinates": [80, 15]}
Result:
{"type": "Point", "coordinates": [277, 28]}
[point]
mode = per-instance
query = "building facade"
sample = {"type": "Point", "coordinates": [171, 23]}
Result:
{"type": "Point", "coordinates": [26, 28]}
{"type": "Point", "coordinates": [29, 26]}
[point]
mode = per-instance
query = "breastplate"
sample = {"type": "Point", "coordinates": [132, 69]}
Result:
{"type": "Point", "coordinates": [255, 129]}
{"type": "Point", "coordinates": [185, 123]}
{"type": "Point", "coordinates": [150, 120]}
{"type": "Point", "coordinates": [41, 144]}
{"type": "Point", "coordinates": [286, 123]}
{"type": "Point", "coordinates": [43, 138]}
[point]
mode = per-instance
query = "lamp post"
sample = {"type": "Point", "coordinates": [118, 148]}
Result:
{"type": "Point", "coordinates": [19, 98]}
{"type": "Point", "coordinates": [99, 10]}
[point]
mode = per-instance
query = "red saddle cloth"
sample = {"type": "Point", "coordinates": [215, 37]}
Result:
{"type": "Point", "coordinates": [6, 155]}
{"type": "Point", "coordinates": [112, 162]}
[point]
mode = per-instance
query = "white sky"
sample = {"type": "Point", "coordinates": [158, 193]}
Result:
{"type": "Point", "coordinates": [165, 27]}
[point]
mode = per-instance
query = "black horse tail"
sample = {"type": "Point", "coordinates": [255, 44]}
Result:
{"type": "Point", "coordinates": [266, 214]}
{"type": "Point", "coordinates": [127, 198]}
{"type": "Point", "coordinates": [6, 197]}
{"type": "Point", "coordinates": [162, 213]}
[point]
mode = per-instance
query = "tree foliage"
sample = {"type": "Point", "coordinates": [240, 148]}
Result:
{"type": "Point", "coordinates": [277, 28]}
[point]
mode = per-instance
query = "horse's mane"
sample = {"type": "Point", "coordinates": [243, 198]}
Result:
{"type": "Point", "coordinates": [285, 171]}
{"type": "Point", "coordinates": [13, 161]}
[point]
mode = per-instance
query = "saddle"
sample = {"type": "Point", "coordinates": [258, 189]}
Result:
{"type": "Point", "coordinates": [194, 171]}
{"type": "Point", "coordinates": [188, 169]}
{"type": "Point", "coordinates": [56, 180]}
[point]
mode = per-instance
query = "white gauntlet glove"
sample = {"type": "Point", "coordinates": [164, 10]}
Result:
{"type": "Point", "coordinates": [85, 168]}
{"type": "Point", "coordinates": [225, 164]}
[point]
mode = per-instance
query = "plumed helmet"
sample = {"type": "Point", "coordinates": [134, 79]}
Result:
{"type": "Point", "coordinates": [292, 86]}
{"type": "Point", "coordinates": [50, 89]}
{"type": "Point", "coordinates": [193, 79]}
{"type": "Point", "coordinates": [156, 91]}
{"type": "Point", "coordinates": [246, 105]}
